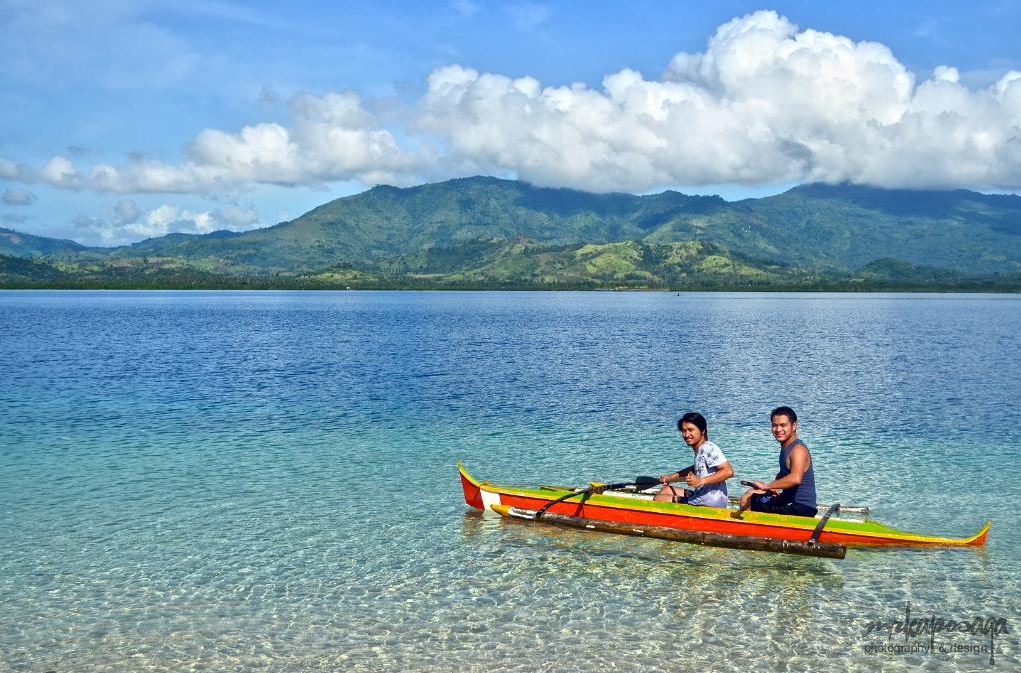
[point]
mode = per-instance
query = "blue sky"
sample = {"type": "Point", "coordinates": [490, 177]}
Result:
{"type": "Point", "coordinates": [125, 120]}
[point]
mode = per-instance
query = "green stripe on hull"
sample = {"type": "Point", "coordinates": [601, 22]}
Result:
{"type": "Point", "coordinates": [865, 528]}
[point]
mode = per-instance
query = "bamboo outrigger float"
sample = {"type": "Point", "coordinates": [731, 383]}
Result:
{"type": "Point", "coordinates": [637, 514]}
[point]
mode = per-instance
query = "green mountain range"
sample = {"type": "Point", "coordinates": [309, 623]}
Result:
{"type": "Point", "coordinates": [487, 232]}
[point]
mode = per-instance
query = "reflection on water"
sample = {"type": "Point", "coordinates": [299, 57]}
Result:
{"type": "Point", "coordinates": [266, 481]}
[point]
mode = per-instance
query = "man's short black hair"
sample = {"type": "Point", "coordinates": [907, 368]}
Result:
{"type": "Point", "coordinates": [784, 411]}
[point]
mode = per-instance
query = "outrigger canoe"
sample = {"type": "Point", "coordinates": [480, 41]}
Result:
{"type": "Point", "coordinates": [635, 513]}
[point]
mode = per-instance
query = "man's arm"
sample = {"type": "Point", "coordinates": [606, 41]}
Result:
{"type": "Point", "coordinates": [677, 476]}
{"type": "Point", "coordinates": [723, 472]}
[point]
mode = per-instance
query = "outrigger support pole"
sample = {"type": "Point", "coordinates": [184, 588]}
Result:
{"type": "Point", "coordinates": [834, 508]}
{"type": "Point", "coordinates": [584, 493]}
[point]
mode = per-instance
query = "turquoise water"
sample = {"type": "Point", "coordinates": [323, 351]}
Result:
{"type": "Point", "coordinates": [266, 481]}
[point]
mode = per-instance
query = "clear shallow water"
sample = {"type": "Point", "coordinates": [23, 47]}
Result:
{"type": "Point", "coordinates": [266, 481]}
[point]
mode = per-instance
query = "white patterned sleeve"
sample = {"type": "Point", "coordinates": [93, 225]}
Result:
{"type": "Point", "coordinates": [714, 457]}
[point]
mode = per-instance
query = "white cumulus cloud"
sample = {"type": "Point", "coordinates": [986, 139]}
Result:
{"type": "Point", "coordinates": [765, 102]}
{"type": "Point", "coordinates": [169, 219]}
{"type": "Point", "coordinates": [166, 219]}
{"type": "Point", "coordinates": [333, 137]}
{"type": "Point", "coordinates": [61, 172]}
{"type": "Point", "coordinates": [151, 175]}
{"type": "Point", "coordinates": [126, 222]}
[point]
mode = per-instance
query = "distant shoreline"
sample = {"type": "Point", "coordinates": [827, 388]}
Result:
{"type": "Point", "coordinates": [977, 287]}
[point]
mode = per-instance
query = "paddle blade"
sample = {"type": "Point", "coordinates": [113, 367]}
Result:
{"type": "Point", "coordinates": [640, 483]}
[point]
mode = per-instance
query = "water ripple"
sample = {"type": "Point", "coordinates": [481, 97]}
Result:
{"type": "Point", "coordinates": [265, 481]}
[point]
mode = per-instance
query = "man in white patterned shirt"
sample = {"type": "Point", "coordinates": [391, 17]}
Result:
{"type": "Point", "coordinates": [708, 474]}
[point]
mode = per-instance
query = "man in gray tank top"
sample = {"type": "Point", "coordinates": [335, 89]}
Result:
{"type": "Point", "coordinates": [793, 490]}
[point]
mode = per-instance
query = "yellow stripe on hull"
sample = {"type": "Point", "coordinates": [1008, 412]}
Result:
{"type": "Point", "coordinates": [609, 507]}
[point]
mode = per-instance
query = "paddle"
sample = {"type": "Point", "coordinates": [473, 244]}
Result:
{"type": "Point", "coordinates": [649, 482]}
{"type": "Point", "coordinates": [642, 483]}
{"type": "Point", "coordinates": [744, 508]}
{"type": "Point", "coordinates": [751, 484]}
